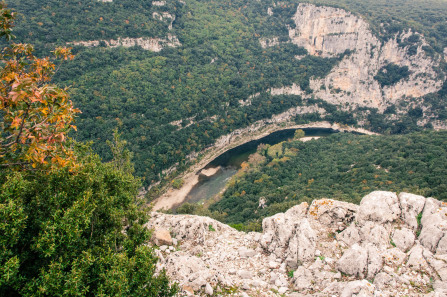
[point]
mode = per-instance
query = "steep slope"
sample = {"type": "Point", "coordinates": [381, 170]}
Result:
{"type": "Point", "coordinates": [389, 245]}
{"type": "Point", "coordinates": [330, 32]}
{"type": "Point", "coordinates": [175, 76]}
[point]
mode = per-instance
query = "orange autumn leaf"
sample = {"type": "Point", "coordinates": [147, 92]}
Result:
{"type": "Point", "coordinates": [36, 115]}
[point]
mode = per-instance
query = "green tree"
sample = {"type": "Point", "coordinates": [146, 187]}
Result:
{"type": "Point", "coordinates": [298, 134]}
{"type": "Point", "coordinates": [35, 115]}
{"type": "Point", "coordinates": [66, 229]}
{"type": "Point", "coordinates": [76, 233]}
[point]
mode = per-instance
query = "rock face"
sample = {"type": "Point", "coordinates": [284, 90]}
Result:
{"type": "Point", "coordinates": [329, 248]}
{"type": "Point", "coordinates": [150, 44]}
{"type": "Point", "coordinates": [330, 32]}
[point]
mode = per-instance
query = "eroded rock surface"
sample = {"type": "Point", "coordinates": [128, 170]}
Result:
{"type": "Point", "coordinates": [150, 44]}
{"type": "Point", "coordinates": [331, 32]}
{"type": "Point", "coordinates": [390, 245]}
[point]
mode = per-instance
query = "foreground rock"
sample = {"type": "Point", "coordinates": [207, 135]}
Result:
{"type": "Point", "coordinates": [390, 245]}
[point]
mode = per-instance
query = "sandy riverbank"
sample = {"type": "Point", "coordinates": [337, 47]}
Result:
{"type": "Point", "coordinates": [306, 139]}
{"type": "Point", "coordinates": [173, 197]}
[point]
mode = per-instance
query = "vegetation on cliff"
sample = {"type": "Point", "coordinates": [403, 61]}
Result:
{"type": "Point", "coordinates": [70, 225]}
{"type": "Point", "coordinates": [179, 101]}
{"type": "Point", "coordinates": [341, 166]}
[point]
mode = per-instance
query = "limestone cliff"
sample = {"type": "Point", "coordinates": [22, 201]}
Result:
{"type": "Point", "coordinates": [154, 44]}
{"type": "Point", "coordinates": [330, 32]}
{"type": "Point", "coordinates": [151, 44]}
{"type": "Point", "coordinates": [389, 245]}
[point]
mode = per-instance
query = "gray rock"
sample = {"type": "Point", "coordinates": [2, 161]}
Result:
{"type": "Point", "coordinates": [403, 239]}
{"type": "Point", "coordinates": [244, 274]}
{"type": "Point", "coordinates": [440, 288]}
{"type": "Point", "coordinates": [288, 235]}
{"type": "Point", "coordinates": [162, 237]}
{"type": "Point", "coordinates": [245, 287]}
{"type": "Point", "coordinates": [208, 289]}
{"type": "Point", "coordinates": [298, 211]}
{"type": "Point", "coordinates": [246, 253]}
{"type": "Point", "coordinates": [430, 237]}
{"type": "Point", "coordinates": [291, 239]}
{"type": "Point", "coordinates": [358, 288]}
{"type": "Point", "coordinates": [288, 238]}
{"type": "Point", "coordinates": [380, 207]}
{"type": "Point", "coordinates": [307, 241]}
{"type": "Point", "coordinates": [430, 207]}
{"type": "Point", "coordinates": [416, 259]}
{"type": "Point", "coordinates": [411, 205]}
{"type": "Point", "coordinates": [282, 290]}
{"type": "Point", "coordinates": [273, 265]}
{"type": "Point", "coordinates": [302, 278]}
{"type": "Point", "coordinates": [331, 212]}
{"type": "Point", "coordinates": [257, 283]}
{"type": "Point", "coordinates": [295, 294]}
{"type": "Point", "coordinates": [317, 265]}
{"type": "Point", "coordinates": [198, 283]}
{"type": "Point", "coordinates": [186, 227]}
{"type": "Point", "coordinates": [273, 278]}
{"type": "Point", "coordinates": [442, 245]}
{"type": "Point", "coordinates": [283, 268]}
{"type": "Point", "coordinates": [376, 234]}
{"type": "Point", "coordinates": [354, 261]}
{"type": "Point", "coordinates": [438, 264]}
{"type": "Point", "coordinates": [434, 227]}
{"type": "Point", "coordinates": [394, 257]}
{"type": "Point", "coordinates": [375, 262]}
{"type": "Point", "coordinates": [281, 281]}
{"type": "Point", "coordinates": [383, 280]}
{"type": "Point", "coordinates": [350, 235]}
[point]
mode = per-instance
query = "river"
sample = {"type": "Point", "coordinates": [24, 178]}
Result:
{"type": "Point", "coordinates": [230, 162]}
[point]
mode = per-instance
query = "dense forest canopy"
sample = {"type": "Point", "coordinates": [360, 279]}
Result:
{"type": "Point", "coordinates": [341, 166]}
{"type": "Point", "coordinates": [70, 224]}
{"type": "Point", "coordinates": [54, 21]}
{"type": "Point", "coordinates": [178, 101]}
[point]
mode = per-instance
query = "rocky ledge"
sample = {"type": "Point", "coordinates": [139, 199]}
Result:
{"type": "Point", "coordinates": [389, 245]}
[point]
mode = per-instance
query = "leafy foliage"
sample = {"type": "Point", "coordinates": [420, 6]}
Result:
{"type": "Point", "coordinates": [391, 74]}
{"type": "Point", "coordinates": [35, 116]}
{"type": "Point", "coordinates": [57, 21]}
{"type": "Point", "coordinates": [82, 233]}
{"type": "Point", "coordinates": [175, 103]}
{"type": "Point", "coordinates": [66, 228]}
{"type": "Point", "coordinates": [341, 166]}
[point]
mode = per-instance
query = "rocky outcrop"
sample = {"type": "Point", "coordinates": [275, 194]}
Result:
{"type": "Point", "coordinates": [151, 44]}
{"type": "Point", "coordinates": [158, 3]}
{"type": "Point", "coordinates": [328, 248]}
{"type": "Point", "coordinates": [269, 42]}
{"type": "Point", "coordinates": [164, 16]}
{"type": "Point", "coordinates": [331, 32]}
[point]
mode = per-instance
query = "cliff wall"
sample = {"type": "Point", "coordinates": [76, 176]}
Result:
{"type": "Point", "coordinates": [330, 32]}
{"type": "Point", "coordinates": [389, 245]}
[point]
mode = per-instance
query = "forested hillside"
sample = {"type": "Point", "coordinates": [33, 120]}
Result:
{"type": "Point", "coordinates": [70, 224]}
{"type": "Point", "coordinates": [173, 103]}
{"type": "Point", "coordinates": [341, 166]}
{"type": "Point", "coordinates": [428, 17]}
